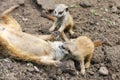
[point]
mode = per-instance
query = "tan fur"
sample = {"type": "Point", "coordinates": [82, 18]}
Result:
{"type": "Point", "coordinates": [9, 21]}
{"type": "Point", "coordinates": [64, 23]}
{"type": "Point", "coordinates": [26, 46]}
{"type": "Point", "coordinates": [82, 50]}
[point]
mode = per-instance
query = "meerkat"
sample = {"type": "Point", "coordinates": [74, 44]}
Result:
{"type": "Point", "coordinates": [63, 20]}
{"type": "Point", "coordinates": [81, 49]}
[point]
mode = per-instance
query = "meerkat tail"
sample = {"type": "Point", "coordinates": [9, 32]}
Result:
{"type": "Point", "coordinates": [5, 13]}
{"type": "Point", "coordinates": [48, 17]}
{"type": "Point", "coordinates": [98, 43]}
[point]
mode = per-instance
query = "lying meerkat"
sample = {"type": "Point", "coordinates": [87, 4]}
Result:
{"type": "Point", "coordinates": [28, 47]}
{"type": "Point", "coordinates": [63, 20]}
{"type": "Point", "coordinates": [81, 49]}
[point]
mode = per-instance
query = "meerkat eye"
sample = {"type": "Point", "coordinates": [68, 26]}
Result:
{"type": "Point", "coordinates": [61, 12]}
{"type": "Point", "coordinates": [66, 9]}
{"type": "Point", "coordinates": [55, 12]}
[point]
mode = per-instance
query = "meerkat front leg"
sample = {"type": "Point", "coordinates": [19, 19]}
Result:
{"type": "Point", "coordinates": [61, 30]}
{"type": "Point", "coordinates": [55, 24]}
{"type": "Point", "coordinates": [87, 64]}
{"type": "Point", "coordinates": [51, 36]}
{"type": "Point", "coordinates": [62, 27]}
{"type": "Point", "coordinates": [82, 65]}
{"type": "Point", "coordinates": [71, 30]}
{"type": "Point", "coordinates": [48, 61]}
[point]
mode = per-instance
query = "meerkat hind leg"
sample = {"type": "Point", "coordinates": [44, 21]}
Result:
{"type": "Point", "coordinates": [55, 24]}
{"type": "Point", "coordinates": [45, 37]}
{"type": "Point", "coordinates": [47, 61]}
{"type": "Point", "coordinates": [9, 20]}
{"type": "Point", "coordinates": [71, 30]}
{"type": "Point", "coordinates": [64, 36]}
{"type": "Point", "coordinates": [88, 60]}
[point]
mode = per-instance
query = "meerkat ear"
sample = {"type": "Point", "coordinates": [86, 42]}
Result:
{"type": "Point", "coordinates": [66, 9]}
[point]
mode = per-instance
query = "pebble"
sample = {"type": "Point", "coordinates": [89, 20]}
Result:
{"type": "Point", "coordinates": [103, 71]}
{"type": "Point", "coordinates": [29, 64]}
{"type": "Point", "coordinates": [36, 69]}
{"type": "Point", "coordinates": [91, 72]}
{"type": "Point", "coordinates": [85, 4]}
{"type": "Point", "coordinates": [21, 2]}
{"type": "Point", "coordinates": [113, 76]}
{"type": "Point", "coordinates": [46, 4]}
{"type": "Point", "coordinates": [7, 60]}
{"type": "Point", "coordinates": [114, 9]}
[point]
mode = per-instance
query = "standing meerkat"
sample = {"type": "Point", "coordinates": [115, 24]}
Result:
{"type": "Point", "coordinates": [63, 20]}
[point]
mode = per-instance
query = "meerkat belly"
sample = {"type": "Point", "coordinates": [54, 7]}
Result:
{"type": "Point", "coordinates": [26, 43]}
{"type": "Point", "coordinates": [69, 21]}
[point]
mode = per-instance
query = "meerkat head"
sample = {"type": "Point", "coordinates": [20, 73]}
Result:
{"type": "Point", "coordinates": [60, 10]}
{"type": "Point", "coordinates": [71, 47]}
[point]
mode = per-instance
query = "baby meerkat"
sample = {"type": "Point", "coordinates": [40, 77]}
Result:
{"type": "Point", "coordinates": [63, 20]}
{"type": "Point", "coordinates": [81, 50]}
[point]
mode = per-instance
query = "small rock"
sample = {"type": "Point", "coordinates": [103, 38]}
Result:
{"type": "Point", "coordinates": [21, 2]}
{"type": "Point", "coordinates": [46, 4]}
{"type": "Point", "coordinates": [30, 69]}
{"type": "Point", "coordinates": [113, 76]}
{"type": "Point", "coordinates": [85, 4]}
{"type": "Point", "coordinates": [11, 76]}
{"type": "Point", "coordinates": [91, 22]}
{"type": "Point", "coordinates": [114, 9]}
{"type": "Point", "coordinates": [97, 24]}
{"type": "Point", "coordinates": [29, 64]}
{"type": "Point", "coordinates": [7, 60]}
{"type": "Point", "coordinates": [103, 71]}
{"type": "Point", "coordinates": [91, 72]}
{"type": "Point", "coordinates": [36, 69]}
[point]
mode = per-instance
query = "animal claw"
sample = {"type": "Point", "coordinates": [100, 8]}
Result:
{"type": "Point", "coordinates": [56, 34]}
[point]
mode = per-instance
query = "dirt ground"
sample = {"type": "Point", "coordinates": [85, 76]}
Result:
{"type": "Point", "coordinates": [100, 18]}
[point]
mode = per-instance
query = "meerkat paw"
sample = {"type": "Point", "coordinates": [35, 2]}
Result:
{"type": "Point", "coordinates": [83, 71]}
{"type": "Point", "coordinates": [58, 64]}
{"type": "Point", "coordinates": [71, 32]}
{"type": "Point", "coordinates": [56, 34]}
{"type": "Point", "coordinates": [51, 29]}
{"type": "Point", "coordinates": [87, 65]}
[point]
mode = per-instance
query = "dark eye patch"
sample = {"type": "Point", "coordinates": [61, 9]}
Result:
{"type": "Point", "coordinates": [61, 12]}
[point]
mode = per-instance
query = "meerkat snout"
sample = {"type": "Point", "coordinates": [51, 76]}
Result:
{"type": "Point", "coordinates": [60, 10]}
